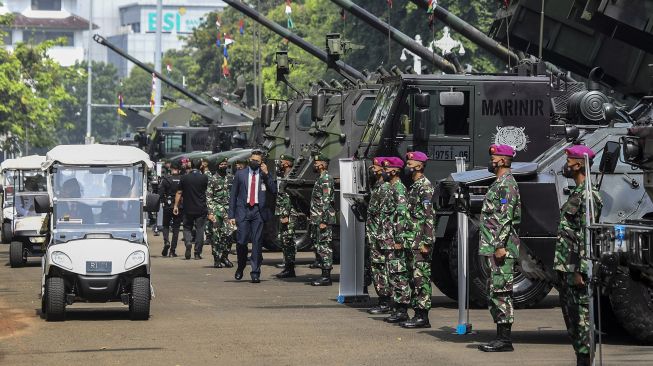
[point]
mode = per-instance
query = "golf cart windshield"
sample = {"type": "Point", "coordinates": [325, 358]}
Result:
{"type": "Point", "coordinates": [103, 202]}
{"type": "Point", "coordinates": [24, 185]}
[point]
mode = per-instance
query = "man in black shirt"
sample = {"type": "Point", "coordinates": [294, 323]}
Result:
{"type": "Point", "coordinates": [168, 189]}
{"type": "Point", "coordinates": [192, 187]}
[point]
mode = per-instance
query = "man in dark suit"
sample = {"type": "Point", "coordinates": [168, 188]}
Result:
{"type": "Point", "coordinates": [248, 211]}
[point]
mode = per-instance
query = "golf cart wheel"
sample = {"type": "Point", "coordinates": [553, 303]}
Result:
{"type": "Point", "coordinates": [55, 299]}
{"type": "Point", "coordinates": [6, 233]}
{"type": "Point", "coordinates": [16, 255]}
{"type": "Point", "coordinates": [139, 302]}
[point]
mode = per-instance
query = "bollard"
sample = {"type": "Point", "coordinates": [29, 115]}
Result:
{"type": "Point", "coordinates": [463, 326]}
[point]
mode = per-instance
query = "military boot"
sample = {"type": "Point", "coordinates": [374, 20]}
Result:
{"type": "Point", "coordinates": [217, 263]}
{"type": "Point", "coordinates": [288, 272]}
{"type": "Point", "coordinates": [503, 343]}
{"type": "Point", "coordinates": [583, 359]}
{"type": "Point", "coordinates": [316, 264]}
{"type": "Point", "coordinates": [420, 320]}
{"type": "Point", "coordinates": [383, 307]}
{"type": "Point", "coordinates": [325, 280]}
{"type": "Point", "coordinates": [400, 315]}
{"type": "Point", "coordinates": [166, 247]}
{"type": "Point", "coordinates": [225, 261]}
{"type": "Point", "coordinates": [280, 265]}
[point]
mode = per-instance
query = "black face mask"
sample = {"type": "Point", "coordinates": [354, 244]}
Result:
{"type": "Point", "coordinates": [408, 171]}
{"type": "Point", "coordinates": [316, 169]}
{"type": "Point", "coordinates": [222, 171]}
{"type": "Point", "coordinates": [567, 172]}
{"type": "Point", "coordinates": [254, 165]}
{"type": "Point", "coordinates": [280, 170]}
{"type": "Point", "coordinates": [386, 176]}
{"type": "Point", "coordinates": [492, 167]}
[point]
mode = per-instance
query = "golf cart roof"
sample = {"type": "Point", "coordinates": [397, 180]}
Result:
{"type": "Point", "coordinates": [97, 154]}
{"type": "Point", "coordinates": [31, 162]}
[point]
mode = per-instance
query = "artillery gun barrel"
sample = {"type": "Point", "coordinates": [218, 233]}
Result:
{"type": "Point", "coordinates": [196, 98]}
{"type": "Point", "coordinates": [397, 36]}
{"type": "Point", "coordinates": [339, 66]}
{"type": "Point", "coordinates": [470, 32]}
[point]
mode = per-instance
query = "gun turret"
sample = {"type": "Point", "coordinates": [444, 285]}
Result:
{"type": "Point", "coordinates": [339, 66]}
{"type": "Point", "coordinates": [397, 36]}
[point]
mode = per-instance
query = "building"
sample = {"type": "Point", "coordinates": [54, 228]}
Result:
{"type": "Point", "coordinates": [131, 25]}
{"type": "Point", "coordinates": [36, 21]}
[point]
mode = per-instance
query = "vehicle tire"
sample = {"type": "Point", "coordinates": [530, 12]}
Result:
{"type": "Point", "coordinates": [55, 299]}
{"type": "Point", "coordinates": [6, 234]}
{"type": "Point", "coordinates": [440, 272]}
{"type": "Point", "coordinates": [526, 292]}
{"type": "Point", "coordinates": [139, 301]}
{"type": "Point", "coordinates": [632, 304]}
{"type": "Point", "coordinates": [16, 254]}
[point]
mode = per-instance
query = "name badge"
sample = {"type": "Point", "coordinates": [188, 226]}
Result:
{"type": "Point", "coordinates": [263, 188]}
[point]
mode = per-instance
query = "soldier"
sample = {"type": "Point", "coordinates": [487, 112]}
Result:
{"type": "Point", "coordinates": [168, 189]}
{"type": "Point", "coordinates": [287, 218]}
{"type": "Point", "coordinates": [394, 220]}
{"type": "Point", "coordinates": [217, 196]}
{"type": "Point", "coordinates": [570, 258]}
{"type": "Point", "coordinates": [419, 237]}
{"type": "Point", "coordinates": [373, 223]}
{"type": "Point", "coordinates": [499, 243]}
{"type": "Point", "coordinates": [323, 216]}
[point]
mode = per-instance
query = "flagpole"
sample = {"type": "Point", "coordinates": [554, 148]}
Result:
{"type": "Point", "coordinates": [89, 91]}
{"type": "Point", "coordinates": [258, 59]}
{"type": "Point", "coordinates": [157, 55]}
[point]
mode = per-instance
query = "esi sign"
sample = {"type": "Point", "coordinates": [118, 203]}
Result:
{"type": "Point", "coordinates": [175, 21]}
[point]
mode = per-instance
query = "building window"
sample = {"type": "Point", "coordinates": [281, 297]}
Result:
{"type": "Point", "coordinates": [46, 5]}
{"type": "Point", "coordinates": [6, 37]}
{"type": "Point", "coordinates": [40, 36]}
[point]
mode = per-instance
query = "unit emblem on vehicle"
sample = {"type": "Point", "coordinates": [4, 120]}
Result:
{"type": "Point", "coordinates": [512, 136]}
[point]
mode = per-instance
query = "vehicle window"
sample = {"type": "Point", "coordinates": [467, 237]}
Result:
{"type": "Point", "coordinates": [174, 143]}
{"type": "Point", "coordinates": [363, 111]}
{"type": "Point", "coordinates": [304, 121]}
{"type": "Point", "coordinates": [379, 113]}
{"type": "Point", "coordinates": [449, 120]}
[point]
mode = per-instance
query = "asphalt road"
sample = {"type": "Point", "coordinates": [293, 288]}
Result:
{"type": "Point", "coordinates": [202, 316]}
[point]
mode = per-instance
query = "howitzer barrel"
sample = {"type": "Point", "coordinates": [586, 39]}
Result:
{"type": "Point", "coordinates": [397, 36]}
{"type": "Point", "coordinates": [295, 39]}
{"type": "Point", "coordinates": [196, 98]}
{"type": "Point", "coordinates": [470, 32]}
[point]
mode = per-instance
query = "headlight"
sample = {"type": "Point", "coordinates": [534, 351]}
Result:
{"type": "Point", "coordinates": [37, 239]}
{"type": "Point", "coordinates": [135, 259]}
{"type": "Point", "coordinates": [61, 259]}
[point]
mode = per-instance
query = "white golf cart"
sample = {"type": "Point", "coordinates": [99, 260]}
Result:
{"type": "Point", "coordinates": [97, 248]}
{"type": "Point", "coordinates": [21, 225]}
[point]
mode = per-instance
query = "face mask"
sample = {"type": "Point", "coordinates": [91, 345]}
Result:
{"type": "Point", "coordinates": [408, 171]}
{"type": "Point", "coordinates": [281, 169]}
{"type": "Point", "coordinates": [567, 172]}
{"type": "Point", "coordinates": [222, 171]}
{"type": "Point", "coordinates": [254, 165]}
{"type": "Point", "coordinates": [316, 168]}
{"type": "Point", "coordinates": [386, 176]}
{"type": "Point", "coordinates": [492, 167]}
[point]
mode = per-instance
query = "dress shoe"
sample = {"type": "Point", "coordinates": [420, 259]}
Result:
{"type": "Point", "coordinates": [400, 315]}
{"type": "Point", "coordinates": [239, 274]}
{"type": "Point", "coordinates": [173, 254]}
{"type": "Point", "coordinates": [226, 262]}
{"type": "Point", "coordinates": [256, 279]}
{"type": "Point", "coordinates": [383, 307]}
{"type": "Point", "coordinates": [420, 320]}
{"type": "Point", "coordinates": [503, 343]}
{"type": "Point", "coordinates": [198, 256]}
{"type": "Point", "coordinates": [288, 272]}
{"type": "Point", "coordinates": [324, 280]}
{"type": "Point", "coordinates": [164, 253]}
{"type": "Point", "coordinates": [187, 254]}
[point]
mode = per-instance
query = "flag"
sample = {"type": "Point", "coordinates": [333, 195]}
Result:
{"type": "Point", "coordinates": [169, 68]}
{"type": "Point", "coordinates": [389, 3]}
{"type": "Point", "coordinates": [228, 40]}
{"type": "Point", "coordinates": [432, 5]}
{"type": "Point", "coordinates": [290, 25]}
{"type": "Point", "coordinates": [217, 22]}
{"type": "Point", "coordinates": [153, 95]}
{"type": "Point", "coordinates": [343, 15]}
{"type": "Point", "coordinates": [224, 51]}
{"type": "Point", "coordinates": [241, 27]}
{"type": "Point", "coordinates": [225, 68]}
{"type": "Point", "coordinates": [217, 41]}
{"type": "Point", "coordinates": [121, 112]}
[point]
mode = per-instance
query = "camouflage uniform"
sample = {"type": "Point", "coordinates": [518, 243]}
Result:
{"type": "Point", "coordinates": [570, 258]}
{"type": "Point", "coordinates": [217, 196]}
{"type": "Point", "coordinates": [373, 223]}
{"type": "Point", "coordinates": [420, 233]}
{"type": "Point", "coordinates": [285, 208]}
{"type": "Point", "coordinates": [394, 217]}
{"type": "Point", "coordinates": [208, 229]}
{"type": "Point", "coordinates": [323, 212]}
{"type": "Point", "coordinates": [500, 218]}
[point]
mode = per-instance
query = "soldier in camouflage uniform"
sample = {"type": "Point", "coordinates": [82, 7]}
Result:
{"type": "Point", "coordinates": [374, 221]}
{"type": "Point", "coordinates": [394, 218]}
{"type": "Point", "coordinates": [208, 229]}
{"type": "Point", "coordinates": [499, 244]}
{"type": "Point", "coordinates": [419, 237]}
{"type": "Point", "coordinates": [217, 196]}
{"type": "Point", "coordinates": [569, 262]}
{"type": "Point", "coordinates": [323, 216]}
{"type": "Point", "coordinates": [287, 218]}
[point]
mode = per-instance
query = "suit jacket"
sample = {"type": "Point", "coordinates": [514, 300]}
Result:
{"type": "Point", "coordinates": [238, 197]}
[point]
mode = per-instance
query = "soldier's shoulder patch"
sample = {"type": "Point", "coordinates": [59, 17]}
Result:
{"type": "Point", "coordinates": [504, 201]}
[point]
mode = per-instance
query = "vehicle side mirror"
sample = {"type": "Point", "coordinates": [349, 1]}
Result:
{"type": "Point", "coordinates": [152, 202]}
{"type": "Point", "coordinates": [42, 204]}
{"type": "Point", "coordinates": [266, 115]}
{"type": "Point", "coordinates": [452, 99]}
{"type": "Point", "coordinates": [423, 100]}
{"type": "Point", "coordinates": [610, 157]}
{"type": "Point", "coordinates": [571, 133]}
{"type": "Point", "coordinates": [421, 126]}
{"type": "Point", "coordinates": [318, 102]}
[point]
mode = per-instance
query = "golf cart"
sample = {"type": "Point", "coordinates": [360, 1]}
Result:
{"type": "Point", "coordinates": [97, 247]}
{"type": "Point", "coordinates": [21, 224]}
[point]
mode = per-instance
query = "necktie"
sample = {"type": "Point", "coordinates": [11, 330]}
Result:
{"type": "Point", "coordinates": [252, 190]}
